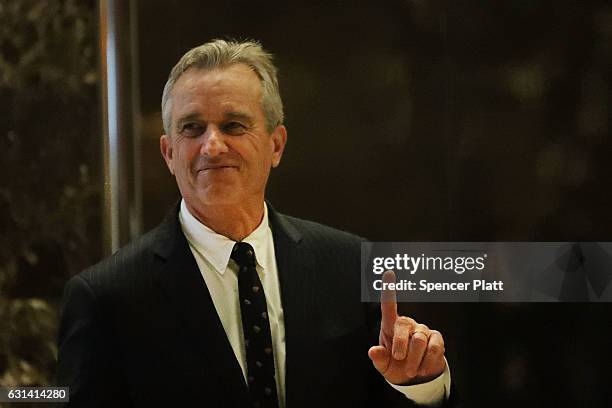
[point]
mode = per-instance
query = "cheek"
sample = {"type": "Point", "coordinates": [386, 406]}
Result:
{"type": "Point", "coordinates": [266, 150]}
{"type": "Point", "coordinates": [186, 156]}
{"type": "Point", "coordinates": [264, 160]}
{"type": "Point", "coordinates": [255, 154]}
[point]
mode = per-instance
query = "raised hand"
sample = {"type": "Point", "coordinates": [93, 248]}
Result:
{"type": "Point", "coordinates": [408, 352]}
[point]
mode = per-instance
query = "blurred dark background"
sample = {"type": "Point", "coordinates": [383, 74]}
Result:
{"type": "Point", "coordinates": [408, 121]}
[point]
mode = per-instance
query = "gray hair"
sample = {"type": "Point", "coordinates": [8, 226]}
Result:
{"type": "Point", "coordinates": [222, 53]}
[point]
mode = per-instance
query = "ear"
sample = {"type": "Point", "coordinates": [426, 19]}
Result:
{"type": "Point", "coordinates": [165, 145]}
{"type": "Point", "coordinates": [279, 139]}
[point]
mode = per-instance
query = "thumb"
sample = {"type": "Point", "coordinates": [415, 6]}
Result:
{"type": "Point", "coordinates": [380, 357]}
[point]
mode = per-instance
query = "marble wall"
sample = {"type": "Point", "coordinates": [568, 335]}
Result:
{"type": "Point", "coordinates": [50, 177]}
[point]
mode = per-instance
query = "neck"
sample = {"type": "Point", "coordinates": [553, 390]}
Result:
{"type": "Point", "coordinates": [234, 222]}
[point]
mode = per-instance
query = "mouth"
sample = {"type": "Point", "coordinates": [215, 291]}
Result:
{"type": "Point", "coordinates": [217, 168]}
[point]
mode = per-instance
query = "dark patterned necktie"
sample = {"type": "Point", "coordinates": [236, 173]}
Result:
{"type": "Point", "coordinates": [256, 327]}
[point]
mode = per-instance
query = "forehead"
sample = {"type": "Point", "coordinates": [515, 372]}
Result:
{"type": "Point", "coordinates": [236, 83]}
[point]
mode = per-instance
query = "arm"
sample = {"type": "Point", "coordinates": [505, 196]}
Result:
{"type": "Point", "coordinates": [86, 360]}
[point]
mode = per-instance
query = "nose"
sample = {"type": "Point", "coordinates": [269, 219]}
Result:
{"type": "Point", "coordinates": [213, 144]}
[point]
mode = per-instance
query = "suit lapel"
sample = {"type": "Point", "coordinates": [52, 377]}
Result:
{"type": "Point", "coordinates": [295, 269]}
{"type": "Point", "coordinates": [179, 278]}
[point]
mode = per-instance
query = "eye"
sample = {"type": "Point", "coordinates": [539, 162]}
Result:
{"type": "Point", "coordinates": [192, 129]}
{"type": "Point", "coordinates": [234, 128]}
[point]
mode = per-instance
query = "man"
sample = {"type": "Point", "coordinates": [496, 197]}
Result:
{"type": "Point", "coordinates": [228, 302]}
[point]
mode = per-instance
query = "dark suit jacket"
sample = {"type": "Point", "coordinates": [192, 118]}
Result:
{"type": "Point", "coordinates": [140, 328]}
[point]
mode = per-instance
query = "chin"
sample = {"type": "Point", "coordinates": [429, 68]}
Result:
{"type": "Point", "coordinates": [220, 196]}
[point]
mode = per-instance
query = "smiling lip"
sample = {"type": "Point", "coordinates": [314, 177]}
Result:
{"type": "Point", "coordinates": [217, 168]}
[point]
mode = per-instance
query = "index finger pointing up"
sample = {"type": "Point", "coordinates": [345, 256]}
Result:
{"type": "Point", "coordinates": [388, 304]}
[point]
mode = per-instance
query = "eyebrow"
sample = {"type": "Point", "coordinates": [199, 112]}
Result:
{"type": "Point", "coordinates": [235, 115]}
{"type": "Point", "coordinates": [187, 118]}
{"type": "Point", "coordinates": [238, 116]}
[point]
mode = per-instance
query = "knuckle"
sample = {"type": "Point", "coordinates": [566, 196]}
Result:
{"type": "Point", "coordinates": [435, 349]}
{"type": "Point", "coordinates": [438, 335]}
{"type": "Point", "coordinates": [422, 327]}
{"type": "Point", "coordinates": [419, 340]}
{"type": "Point", "coordinates": [403, 320]}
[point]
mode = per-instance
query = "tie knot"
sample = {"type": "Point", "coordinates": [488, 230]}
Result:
{"type": "Point", "coordinates": [243, 254]}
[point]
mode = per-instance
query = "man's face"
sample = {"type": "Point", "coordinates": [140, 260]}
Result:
{"type": "Point", "coordinates": [219, 149]}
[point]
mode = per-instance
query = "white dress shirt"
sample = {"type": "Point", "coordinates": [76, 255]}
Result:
{"type": "Point", "coordinates": [212, 254]}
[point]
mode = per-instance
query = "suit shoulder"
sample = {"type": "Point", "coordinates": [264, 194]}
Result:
{"type": "Point", "coordinates": [126, 263]}
{"type": "Point", "coordinates": [314, 231]}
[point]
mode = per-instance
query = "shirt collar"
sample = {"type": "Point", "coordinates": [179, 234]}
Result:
{"type": "Point", "coordinates": [217, 248]}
